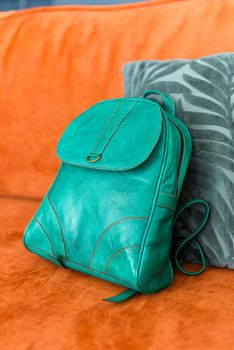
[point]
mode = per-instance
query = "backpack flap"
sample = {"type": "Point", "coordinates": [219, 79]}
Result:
{"type": "Point", "coordinates": [114, 135]}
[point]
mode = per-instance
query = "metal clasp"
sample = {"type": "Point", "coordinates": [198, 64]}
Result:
{"type": "Point", "coordinates": [93, 157]}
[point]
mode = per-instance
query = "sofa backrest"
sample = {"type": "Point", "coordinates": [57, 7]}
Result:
{"type": "Point", "coordinates": [57, 61]}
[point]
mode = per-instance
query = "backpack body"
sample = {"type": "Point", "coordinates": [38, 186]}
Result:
{"type": "Point", "coordinates": [110, 209]}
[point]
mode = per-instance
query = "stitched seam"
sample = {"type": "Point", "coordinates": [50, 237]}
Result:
{"type": "Point", "coordinates": [110, 227]}
{"type": "Point", "coordinates": [86, 267]}
{"type": "Point", "coordinates": [103, 273]}
{"type": "Point", "coordinates": [49, 255]}
{"type": "Point", "coordinates": [118, 125]}
{"type": "Point", "coordinates": [116, 169]}
{"type": "Point", "coordinates": [60, 227]}
{"type": "Point", "coordinates": [80, 8]}
{"type": "Point", "coordinates": [42, 250]}
{"type": "Point", "coordinates": [164, 206]}
{"type": "Point", "coordinates": [137, 99]}
{"type": "Point", "coordinates": [136, 246]}
{"type": "Point", "coordinates": [180, 162]}
{"type": "Point", "coordinates": [48, 237]}
{"type": "Point", "coordinates": [156, 194]}
{"type": "Point", "coordinates": [177, 166]}
{"type": "Point", "coordinates": [107, 123]}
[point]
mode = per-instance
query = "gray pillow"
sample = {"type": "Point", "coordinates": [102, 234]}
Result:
{"type": "Point", "coordinates": [203, 92]}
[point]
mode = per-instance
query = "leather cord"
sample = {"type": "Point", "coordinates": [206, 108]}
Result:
{"type": "Point", "coordinates": [191, 237]}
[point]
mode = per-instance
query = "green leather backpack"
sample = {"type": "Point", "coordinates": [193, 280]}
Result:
{"type": "Point", "coordinates": [111, 208]}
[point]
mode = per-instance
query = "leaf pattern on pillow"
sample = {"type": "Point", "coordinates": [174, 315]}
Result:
{"type": "Point", "coordinates": [203, 92]}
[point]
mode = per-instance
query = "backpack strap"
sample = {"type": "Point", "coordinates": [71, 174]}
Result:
{"type": "Point", "coordinates": [166, 103]}
{"type": "Point", "coordinates": [191, 237]}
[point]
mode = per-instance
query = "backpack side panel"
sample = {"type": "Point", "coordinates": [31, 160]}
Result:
{"type": "Point", "coordinates": [154, 267]}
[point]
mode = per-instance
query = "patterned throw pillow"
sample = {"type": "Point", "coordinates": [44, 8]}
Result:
{"type": "Point", "coordinates": [203, 92]}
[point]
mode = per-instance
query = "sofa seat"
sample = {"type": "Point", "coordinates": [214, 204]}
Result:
{"type": "Point", "coordinates": [42, 304]}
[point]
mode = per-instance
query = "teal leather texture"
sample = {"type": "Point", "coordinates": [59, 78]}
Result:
{"type": "Point", "coordinates": [110, 210]}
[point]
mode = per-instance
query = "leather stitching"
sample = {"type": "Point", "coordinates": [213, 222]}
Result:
{"type": "Point", "coordinates": [165, 206]}
{"type": "Point", "coordinates": [117, 126]}
{"type": "Point", "coordinates": [102, 131]}
{"type": "Point", "coordinates": [115, 169]}
{"type": "Point", "coordinates": [136, 246]}
{"type": "Point", "coordinates": [109, 227]}
{"type": "Point", "coordinates": [48, 237]}
{"type": "Point", "coordinates": [156, 194]}
{"type": "Point", "coordinates": [86, 267]}
{"type": "Point", "coordinates": [60, 226]}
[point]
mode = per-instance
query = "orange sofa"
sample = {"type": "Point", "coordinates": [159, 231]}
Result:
{"type": "Point", "coordinates": [55, 62]}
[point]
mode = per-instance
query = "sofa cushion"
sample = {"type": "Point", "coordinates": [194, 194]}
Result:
{"type": "Point", "coordinates": [203, 93]}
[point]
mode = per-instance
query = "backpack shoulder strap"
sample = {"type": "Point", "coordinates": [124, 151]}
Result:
{"type": "Point", "coordinates": [191, 238]}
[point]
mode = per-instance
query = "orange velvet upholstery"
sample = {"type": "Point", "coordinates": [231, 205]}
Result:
{"type": "Point", "coordinates": [54, 62]}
